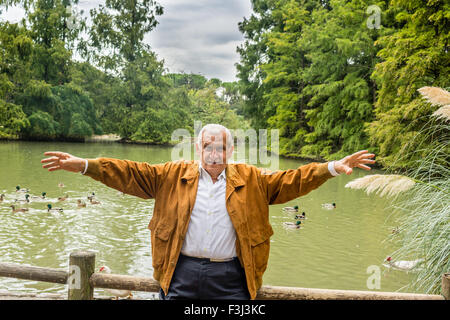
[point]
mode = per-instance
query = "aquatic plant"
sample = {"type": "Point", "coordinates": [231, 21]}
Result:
{"type": "Point", "coordinates": [424, 225]}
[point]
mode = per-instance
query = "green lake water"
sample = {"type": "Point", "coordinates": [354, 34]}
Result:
{"type": "Point", "coordinates": [333, 249]}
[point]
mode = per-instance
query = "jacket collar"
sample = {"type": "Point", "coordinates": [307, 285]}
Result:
{"type": "Point", "coordinates": [232, 174]}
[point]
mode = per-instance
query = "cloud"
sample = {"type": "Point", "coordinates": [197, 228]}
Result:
{"type": "Point", "coordinates": [192, 36]}
{"type": "Point", "coordinates": [201, 36]}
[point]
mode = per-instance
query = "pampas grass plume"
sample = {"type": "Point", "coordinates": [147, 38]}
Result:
{"type": "Point", "coordinates": [438, 97]}
{"type": "Point", "coordinates": [389, 185]}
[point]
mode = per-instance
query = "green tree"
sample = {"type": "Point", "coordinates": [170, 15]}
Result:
{"type": "Point", "coordinates": [340, 49]}
{"type": "Point", "coordinates": [15, 48]}
{"type": "Point", "coordinates": [118, 31]}
{"type": "Point", "coordinates": [415, 55]}
{"type": "Point", "coordinates": [253, 54]}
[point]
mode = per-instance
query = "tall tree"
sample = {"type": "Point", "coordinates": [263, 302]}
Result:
{"type": "Point", "coordinates": [253, 54]}
{"type": "Point", "coordinates": [119, 28]}
{"type": "Point", "coordinates": [415, 55]}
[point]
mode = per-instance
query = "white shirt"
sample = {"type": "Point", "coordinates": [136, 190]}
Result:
{"type": "Point", "coordinates": [210, 232]}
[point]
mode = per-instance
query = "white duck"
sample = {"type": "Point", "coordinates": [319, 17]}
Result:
{"type": "Point", "coordinates": [329, 206]}
{"type": "Point", "coordinates": [116, 292]}
{"type": "Point", "coordinates": [402, 264]}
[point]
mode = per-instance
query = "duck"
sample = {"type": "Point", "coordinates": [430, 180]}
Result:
{"type": "Point", "coordinates": [18, 209]}
{"type": "Point", "coordinates": [81, 204]}
{"type": "Point", "coordinates": [63, 198]}
{"type": "Point", "coordinates": [91, 196]}
{"type": "Point", "coordinates": [301, 217]}
{"type": "Point", "coordinates": [50, 208]}
{"type": "Point", "coordinates": [293, 225]}
{"type": "Point", "coordinates": [94, 201]}
{"type": "Point", "coordinates": [42, 196]}
{"type": "Point", "coordinates": [291, 209]}
{"type": "Point", "coordinates": [116, 292]}
{"type": "Point", "coordinates": [27, 199]}
{"type": "Point", "coordinates": [329, 206]}
{"type": "Point", "coordinates": [402, 264]}
{"type": "Point", "coordinates": [2, 197]}
{"type": "Point", "coordinates": [18, 189]}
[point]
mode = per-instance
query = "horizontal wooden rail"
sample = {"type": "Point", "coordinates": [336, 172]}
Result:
{"type": "Point", "coordinates": [296, 293]}
{"type": "Point", "coordinates": [125, 282]}
{"type": "Point", "coordinates": [13, 270]}
{"type": "Point", "coordinates": [116, 281]}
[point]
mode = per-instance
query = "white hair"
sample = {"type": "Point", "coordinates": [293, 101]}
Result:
{"type": "Point", "coordinates": [215, 129]}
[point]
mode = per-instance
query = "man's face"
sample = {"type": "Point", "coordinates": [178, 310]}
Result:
{"type": "Point", "coordinates": [213, 152]}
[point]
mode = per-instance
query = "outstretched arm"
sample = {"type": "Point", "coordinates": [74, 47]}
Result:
{"type": "Point", "coordinates": [63, 161]}
{"type": "Point", "coordinates": [135, 178]}
{"type": "Point", "coordinates": [283, 186]}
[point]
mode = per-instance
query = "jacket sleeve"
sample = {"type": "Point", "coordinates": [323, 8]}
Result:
{"type": "Point", "coordinates": [282, 186]}
{"type": "Point", "coordinates": [139, 179]}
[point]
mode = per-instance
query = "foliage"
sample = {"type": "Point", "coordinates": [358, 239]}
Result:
{"type": "Point", "coordinates": [415, 55]}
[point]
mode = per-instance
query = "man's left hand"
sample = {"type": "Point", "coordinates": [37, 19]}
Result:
{"type": "Point", "coordinates": [358, 159]}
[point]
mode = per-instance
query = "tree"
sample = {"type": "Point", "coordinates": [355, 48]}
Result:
{"type": "Point", "coordinates": [415, 55]}
{"type": "Point", "coordinates": [118, 31]}
{"type": "Point", "coordinates": [253, 53]}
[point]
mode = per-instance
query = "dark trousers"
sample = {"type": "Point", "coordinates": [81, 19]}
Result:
{"type": "Point", "coordinates": [196, 278]}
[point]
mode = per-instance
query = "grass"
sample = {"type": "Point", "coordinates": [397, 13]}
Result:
{"type": "Point", "coordinates": [423, 210]}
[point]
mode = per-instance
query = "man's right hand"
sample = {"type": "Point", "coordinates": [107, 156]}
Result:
{"type": "Point", "coordinates": [64, 161]}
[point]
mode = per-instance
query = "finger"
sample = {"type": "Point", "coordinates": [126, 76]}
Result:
{"type": "Point", "coordinates": [363, 167]}
{"type": "Point", "coordinates": [49, 159]}
{"type": "Point", "coordinates": [366, 161]}
{"type": "Point", "coordinates": [57, 154]}
{"type": "Point", "coordinates": [54, 168]}
{"type": "Point", "coordinates": [357, 154]}
{"type": "Point", "coordinates": [49, 165]}
{"type": "Point", "coordinates": [368, 155]}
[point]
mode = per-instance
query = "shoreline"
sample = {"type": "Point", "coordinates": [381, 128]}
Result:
{"type": "Point", "coordinates": [114, 138]}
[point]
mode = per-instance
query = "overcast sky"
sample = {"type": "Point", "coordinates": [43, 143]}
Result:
{"type": "Point", "coordinates": [198, 36]}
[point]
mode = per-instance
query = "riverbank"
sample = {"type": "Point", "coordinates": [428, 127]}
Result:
{"type": "Point", "coordinates": [117, 139]}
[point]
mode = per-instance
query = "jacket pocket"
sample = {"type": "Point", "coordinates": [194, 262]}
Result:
{"type": "Point", "coordinates": [260, 243]}
{"type": "Point", "coordinates": [160, 243]}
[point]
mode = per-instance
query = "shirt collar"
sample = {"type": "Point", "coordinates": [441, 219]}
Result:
{"type": "Point", "coordinates": [201, 170]}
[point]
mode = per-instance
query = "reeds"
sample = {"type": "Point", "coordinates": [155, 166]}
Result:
{"type": "Point", "coordinates": [424, 207]}
{"type": "Point", "coordinates": [389, 185]}
{"type": "Point", "coordinates": [440, 97]}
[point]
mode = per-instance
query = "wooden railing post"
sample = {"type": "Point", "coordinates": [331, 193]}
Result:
{"type": "Point", "coordinates": [81, 267]}
{"type": "Point", "coordinates": [446, 286]}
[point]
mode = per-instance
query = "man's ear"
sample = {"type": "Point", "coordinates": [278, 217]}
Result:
{"type": "Point", "coordinates": [230, 151]}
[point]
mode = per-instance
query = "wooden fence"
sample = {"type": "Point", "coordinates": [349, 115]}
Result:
{"type": "Point", "coordinates": [82, 279]}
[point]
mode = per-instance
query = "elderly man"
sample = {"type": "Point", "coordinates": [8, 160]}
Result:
{"type": "Point", "coordinates": [210, 227]}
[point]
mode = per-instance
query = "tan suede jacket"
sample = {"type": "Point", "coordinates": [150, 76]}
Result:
{"type": "Point", "coordinates": [173, 185]}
